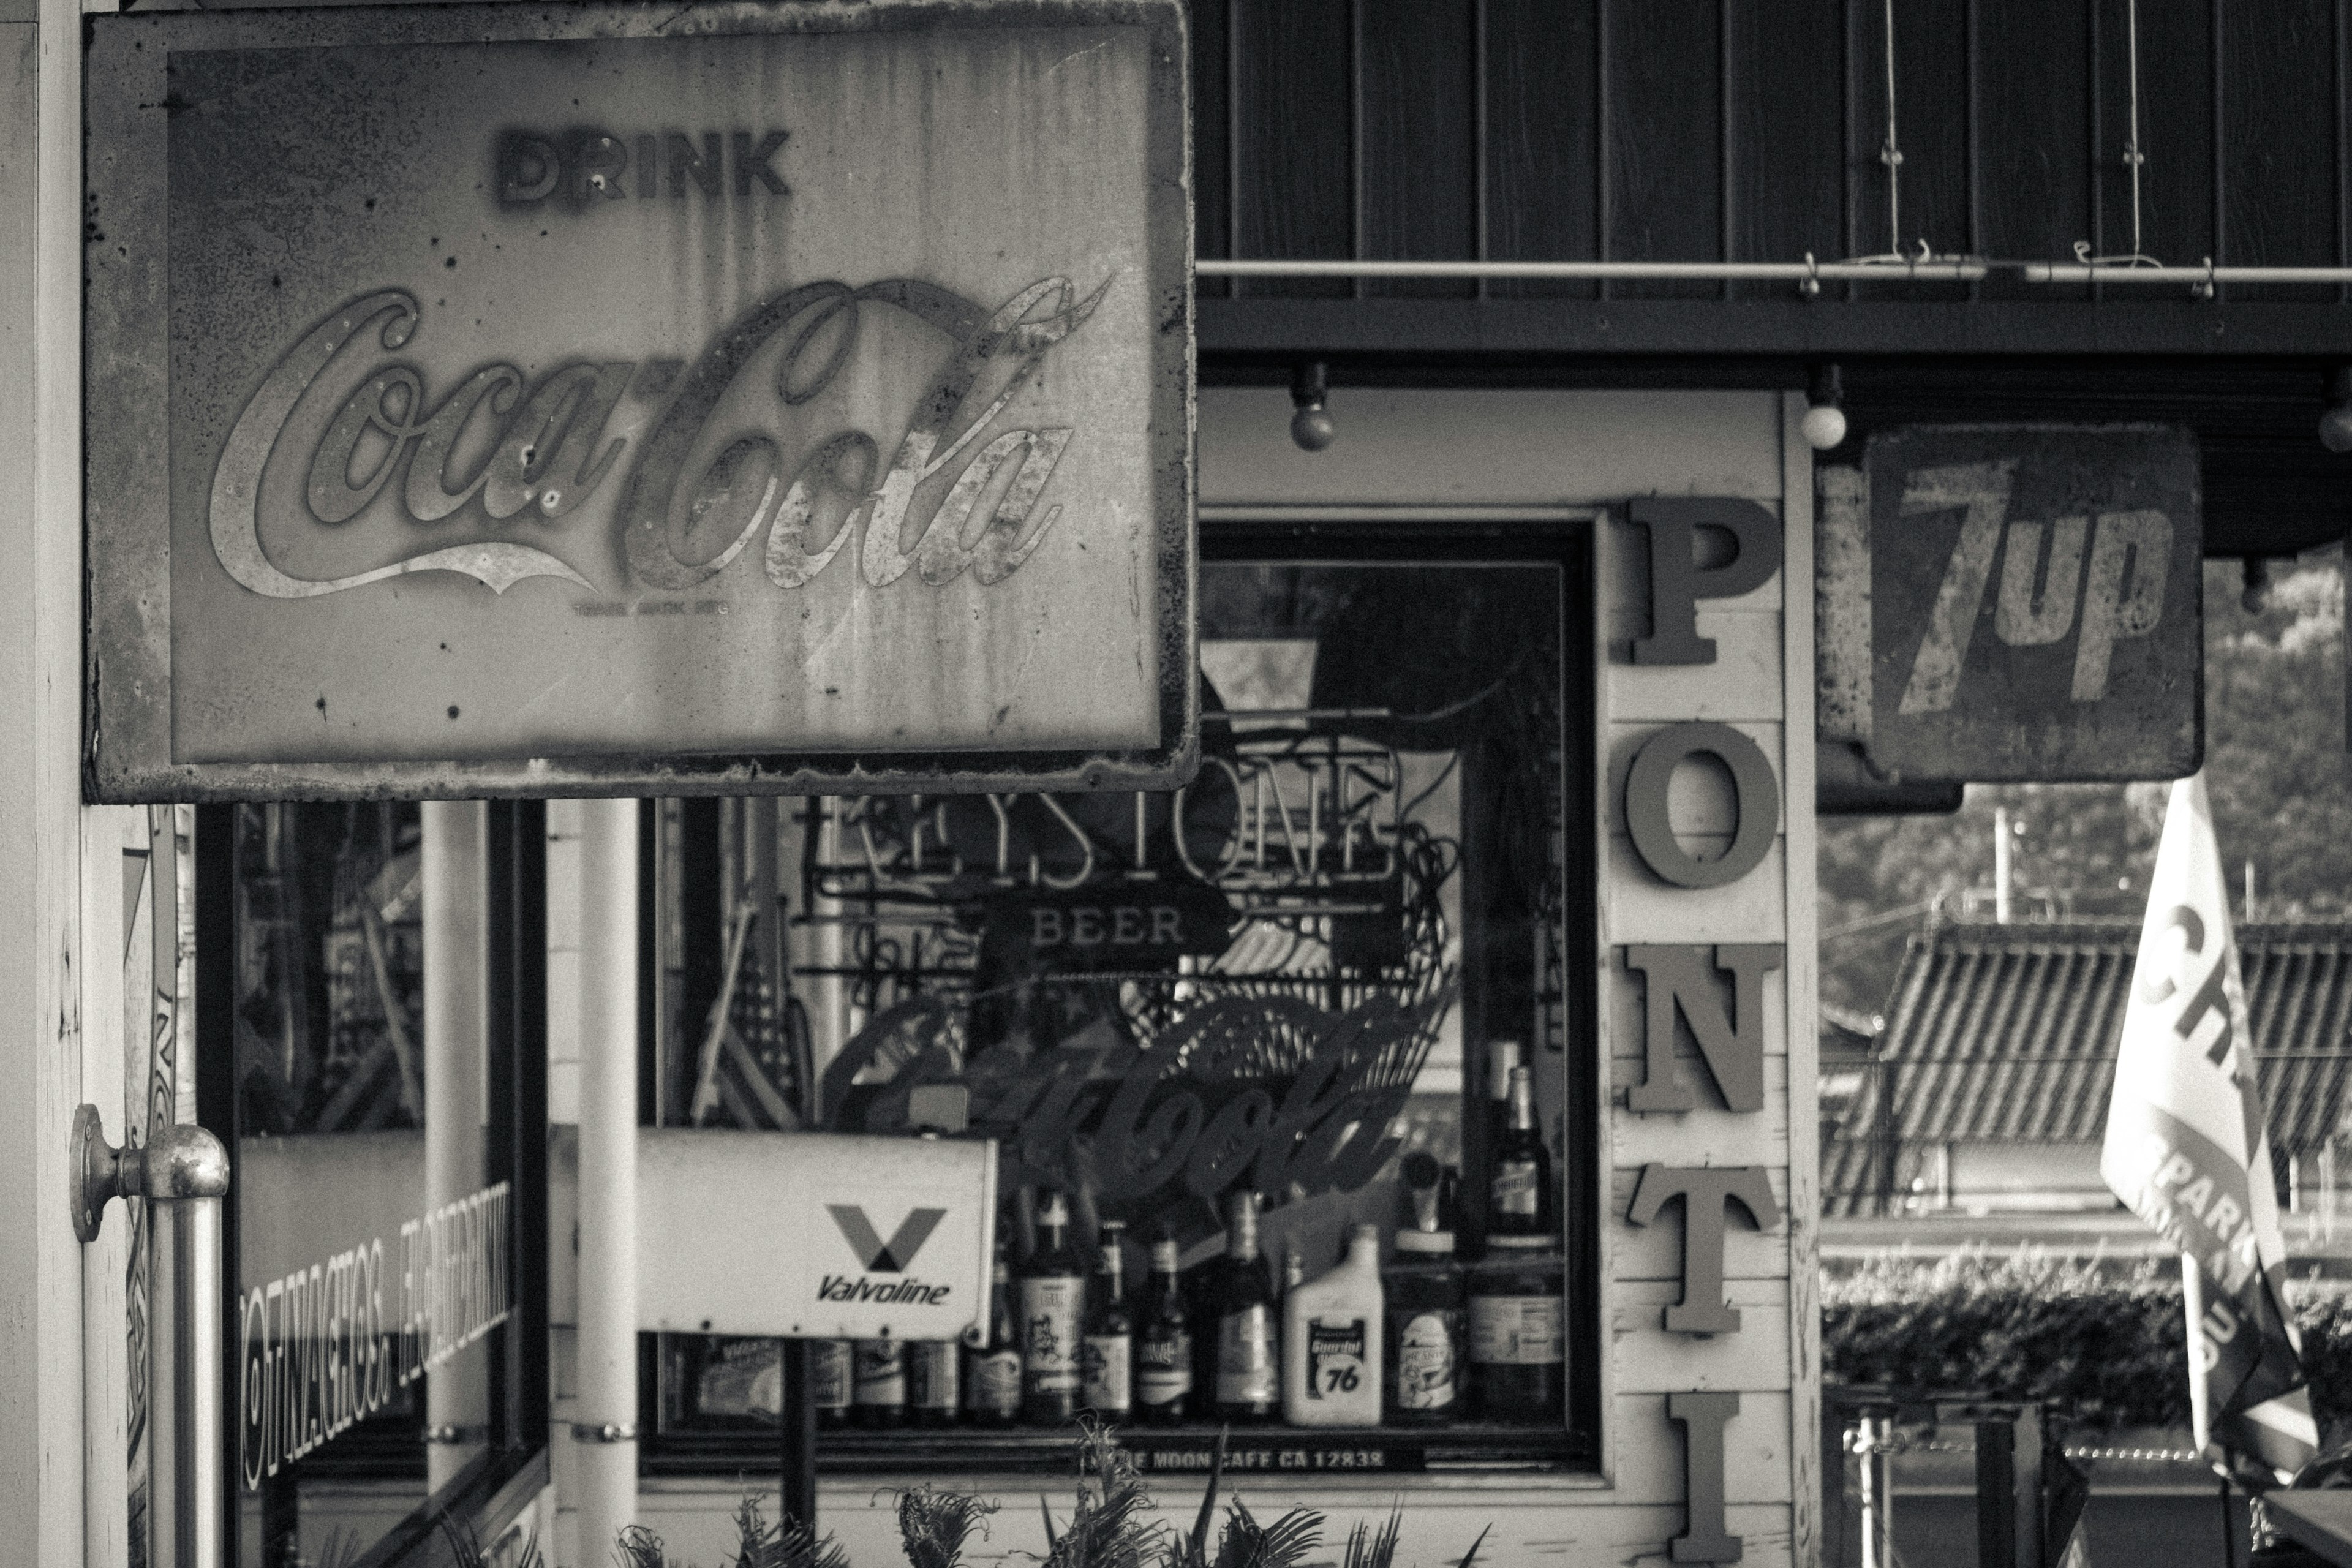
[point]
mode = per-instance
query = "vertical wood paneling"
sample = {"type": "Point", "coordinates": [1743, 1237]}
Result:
{"type": "Point", "coordinates": [1212, 141]}
{"type": "Point", "coordinates": [1785, 117]}
{"type": "Point", "coordinates": [2033, 104]}
{"type": "Point", "coordinates": [1664, 76]}
{"type": "Point", "coordinates": [2175, 129]}
{"type": "Point", "coordinates": [1293, 115]}
{"type": "Point", "coordinates": [1420, 136]}
{"type": "Point", "coordinates": [1803, 996]}
{"type": "Point", "coordinates": [1932, 59]}
{"type": "Point", "coordinates": [1542, 189]}
{"type": "Point", "coordinates": [2278, 141]}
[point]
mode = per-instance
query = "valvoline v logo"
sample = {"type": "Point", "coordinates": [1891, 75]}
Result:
{"type": "Point", "coordinates": [894, 1256]}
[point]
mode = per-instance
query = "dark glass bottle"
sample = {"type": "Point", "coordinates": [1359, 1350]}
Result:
{"type": "Point", "coordinates": [1107, 1380]}
{"type": "Point", "coordinates": [932, 1382]}
{"type": "Point", "coordinates": [1163, 1348]}
{"type": "Point", "coordinates": [1520, 1203]}
{"type": "Point", "coordinates": [880, 1383]}
{"type": "Point", "coordinates": [1053, 1311]}
{"type": "Point", "coordinates": [1249, 1352]}
{"type": "Point", "coordinates": [1427, 1323]}
{"type": "Point", "coordinates": [829, 1381]}
{"type": "Point", "coordinates": [1517, 1353]}
{"type": "Point", "coordinates": [991, 1363]}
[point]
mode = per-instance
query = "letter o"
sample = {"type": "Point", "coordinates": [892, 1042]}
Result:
{"type": "Point", "coordinates": [1757, 797]}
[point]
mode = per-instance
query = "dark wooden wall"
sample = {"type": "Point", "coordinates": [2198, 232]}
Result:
{"type": "Point", "coordinates": [1751, 129]}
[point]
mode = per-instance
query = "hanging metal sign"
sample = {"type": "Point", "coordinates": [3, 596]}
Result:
{"type": "Point", "coordinates": [608, 398]}
{"type": "Point", "coordinates": [858, 1238]}
{"type": "Point", "coordinates": [2015, 602]}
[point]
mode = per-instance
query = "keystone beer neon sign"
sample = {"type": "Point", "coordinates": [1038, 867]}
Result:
{"type": "Point", "coordinates": [551, 454]}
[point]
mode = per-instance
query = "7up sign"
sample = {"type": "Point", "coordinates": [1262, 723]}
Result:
{"type": "Point", "coordinates": [2015, 602]}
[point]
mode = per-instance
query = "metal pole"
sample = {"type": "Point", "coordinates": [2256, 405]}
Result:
{"type": "Point", "coordinates": [605, 1427]}
{"type": "Point", "coordinates": [455, 863]}
{"type": "Point", "coordinates": [797, 1419]}
{"type": "Point", "coordinates": [2000, 864]}
{"type": "Point", "coordinates": [198, 1434]}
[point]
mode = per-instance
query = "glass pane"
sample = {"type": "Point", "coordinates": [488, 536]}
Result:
{"type": "Point", "coordinates": [1306, 977]}
{"type": "Point", "coordinates": [371, 1244]}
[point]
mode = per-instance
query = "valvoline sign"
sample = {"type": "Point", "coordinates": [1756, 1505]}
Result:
{"type": "Point", "coordinates": [815, 1235]}
{"type": "Point", "coordinates": [2030, 600]}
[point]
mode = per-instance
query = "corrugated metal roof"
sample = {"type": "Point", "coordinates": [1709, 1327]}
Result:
{"type": "Point", "coordinates": [2007, 1034]}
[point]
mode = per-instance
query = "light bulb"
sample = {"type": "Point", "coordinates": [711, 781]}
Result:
{"type": "Point", "coordinates": [2336, 429]}
{"type": "Point", "coordinates": [1824, 426]}
{"type": "Point", "coordinates": [1312, 428]}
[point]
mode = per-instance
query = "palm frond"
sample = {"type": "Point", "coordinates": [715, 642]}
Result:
{"type": "Point", "coordinates": [638, 1547]}
{"type": "Point", "coordinates": [1282, 1545]}
{"type": "Point", "coordinates": [1472, 1555]}
{"type": "Point", "coordinates": [787, 1543]}
{"type": "Point", "coordinates": [1195, 1553]}
{"type": "Point", "coordinates": [934, 1525]}
{"type": "Point", "coordinates": [1110, 1528]}
{"type": "Point", "coordinates": [1368, 1548]}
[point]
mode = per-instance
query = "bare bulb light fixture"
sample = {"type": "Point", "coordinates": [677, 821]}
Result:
{"type": "Point", "coordinates": [1310, 425]}
{"type": "Point", "coordinates": [1823, 426]}
{"type": "Point", "coordinates": [2336, 424]}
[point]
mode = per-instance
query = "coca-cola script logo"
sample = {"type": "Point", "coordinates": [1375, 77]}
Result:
{"type": "Point", "coordinates": [553, 453]}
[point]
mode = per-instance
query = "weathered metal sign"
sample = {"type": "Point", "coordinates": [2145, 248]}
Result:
{"type": "Point", "coordinates": [613, 398]}
{"type": "Point", "coordinates": [856, 1237]}
{"type": "Point", "coordinates": [2015, 602]}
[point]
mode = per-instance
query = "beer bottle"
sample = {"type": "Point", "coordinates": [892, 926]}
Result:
{"type": "Point", "coordinates": [931, 1382]}
{"type": "Point", "coordinates": [1502, 1059]}
{"type": "Point", "coordinates": [991, 1365]}
{"type": "Point", "coordinates": [879, 1390]}
{"type": "Point", "coordinates": [1163, 1352]}
{"type": "Point", "coordinates": [1053, 1305]}
{"type": "Point", "coordinates": [1106, 1381]}
{"type": "Point", "coordinates": [829, 1381]}
{"type": "Point", "coordinates": [1249, 1364]}
{"type": "Point", "coordinates": [1519, 1206]}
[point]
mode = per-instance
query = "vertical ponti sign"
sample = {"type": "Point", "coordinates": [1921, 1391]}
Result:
{"type": "Point", "coordinates": [506, 400]}
{"type": "Point", "coordinates": [2015, 602]}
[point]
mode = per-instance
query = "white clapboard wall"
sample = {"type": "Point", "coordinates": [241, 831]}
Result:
{"type": "Point", "coordinates": [1425, 451]}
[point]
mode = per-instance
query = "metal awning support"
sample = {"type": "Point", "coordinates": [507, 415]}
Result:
{"type": "Point", "coordinates": [1807, 275]}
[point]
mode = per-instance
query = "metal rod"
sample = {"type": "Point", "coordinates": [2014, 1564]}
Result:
{"type": "Point", "coordinates": [197, 1433]}
{"type": "Point", "coordinates": [1932, 270]}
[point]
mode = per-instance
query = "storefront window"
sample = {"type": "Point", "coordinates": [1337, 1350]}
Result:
{"type": "Point", "coordinates": [378, 1186]}
{"type": "Point", "coordinates": [1249, 1049]}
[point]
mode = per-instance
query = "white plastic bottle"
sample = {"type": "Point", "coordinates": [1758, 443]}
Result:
{"type": "Point", "coordinates": [1331, 1360]}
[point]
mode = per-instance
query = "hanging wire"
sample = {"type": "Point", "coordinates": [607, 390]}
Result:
{"type": "Point", "coordinates": [2134, 158]}
{"type": "Point", "coordinates": [1891, 153]}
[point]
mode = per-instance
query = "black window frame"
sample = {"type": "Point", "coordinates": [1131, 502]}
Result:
{"type": "Point", "coordinates": [484, 1499]}
{"type": "Point", "coordinates": [1566, 541]}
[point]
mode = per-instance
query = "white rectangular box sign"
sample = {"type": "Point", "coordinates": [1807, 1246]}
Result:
{"type": "Point", "coordinates": [814, 1235]}
{"type": "Point", "coordinates": [615, 399]}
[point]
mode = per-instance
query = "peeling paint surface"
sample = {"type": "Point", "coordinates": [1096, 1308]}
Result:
{"type": "Point", "coordinates": [619, 400]}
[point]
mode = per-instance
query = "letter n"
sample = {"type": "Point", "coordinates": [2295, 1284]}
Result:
{"type": "Point", "coordinates": [1680, 979]}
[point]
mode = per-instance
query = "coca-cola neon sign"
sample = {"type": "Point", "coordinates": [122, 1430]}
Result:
{"type": "Point", "coordinates": [551, 454]}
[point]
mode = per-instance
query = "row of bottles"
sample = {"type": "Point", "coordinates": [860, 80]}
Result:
{"type": "Point", "coordinates": [1423, 1341]}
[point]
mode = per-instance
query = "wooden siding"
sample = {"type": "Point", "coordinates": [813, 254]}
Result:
{"type": "Point", "coordinates": [1751, 129]}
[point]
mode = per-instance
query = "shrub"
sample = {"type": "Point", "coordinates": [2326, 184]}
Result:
{"type": "Point", "coordinates": [2102, 1343]}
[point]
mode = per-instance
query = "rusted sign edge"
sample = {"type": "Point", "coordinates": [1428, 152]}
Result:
{"type": "Point", "coordinates": [126, 689]}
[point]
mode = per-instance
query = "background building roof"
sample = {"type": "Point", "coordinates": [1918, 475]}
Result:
{"type": "Point", "coordinates": [2007, 1034]}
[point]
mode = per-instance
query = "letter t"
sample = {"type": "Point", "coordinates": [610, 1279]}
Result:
{"type": "Point", "coordinates": [1707, 1192]}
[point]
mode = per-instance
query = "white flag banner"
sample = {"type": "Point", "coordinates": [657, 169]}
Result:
{"type": "Point", "coordinates": [2187, 1150]}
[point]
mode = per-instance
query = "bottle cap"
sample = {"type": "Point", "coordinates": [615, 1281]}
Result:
{"type": "Point", "coordinates": [1426, 1242]}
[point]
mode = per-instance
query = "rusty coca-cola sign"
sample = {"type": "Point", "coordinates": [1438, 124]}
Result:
{"type": "Point", "coordinates": [488, 426]}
